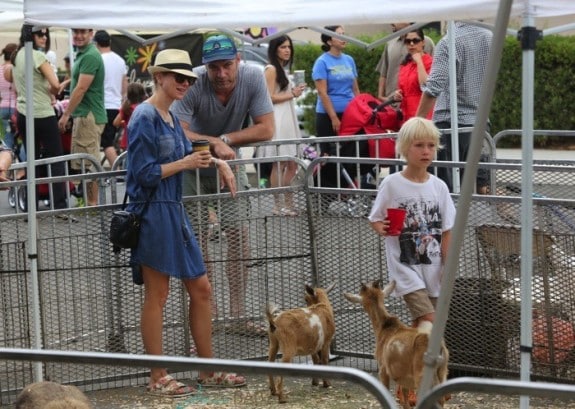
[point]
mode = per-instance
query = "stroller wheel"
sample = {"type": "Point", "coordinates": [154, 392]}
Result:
{"type": "Point", "coordinates": [12, 197]}
{"type": "Point", "coordinates": [22, 199]}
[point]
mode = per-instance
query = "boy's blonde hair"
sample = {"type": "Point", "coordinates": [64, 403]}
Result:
{"type": "Point", "coordinates": [414, 129]}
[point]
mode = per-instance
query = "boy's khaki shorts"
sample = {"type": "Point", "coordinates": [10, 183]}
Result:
{"type": "Point", "coordinates": [420, 303]}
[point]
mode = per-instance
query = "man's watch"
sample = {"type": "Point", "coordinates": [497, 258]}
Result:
{"type": "Point", "coordinates": [225, 138]}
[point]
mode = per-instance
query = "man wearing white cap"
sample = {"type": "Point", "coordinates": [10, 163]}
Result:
{"type": "Point", "coordinates": [216, 108]}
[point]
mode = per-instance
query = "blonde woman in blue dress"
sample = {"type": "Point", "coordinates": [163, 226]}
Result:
{"type": "Point", "coordinates": [159, 152]}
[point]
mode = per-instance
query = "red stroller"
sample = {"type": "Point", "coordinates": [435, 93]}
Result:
{"type": "Point", "coordinates": [365, 114]}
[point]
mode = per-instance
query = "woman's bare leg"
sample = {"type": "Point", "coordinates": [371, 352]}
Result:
{"type": "Point", "coordinates": [156, 288]}
{"type": "Point", "coordinates": [200, 293]}
{"type": "Point", "coordinates": [289, 170]}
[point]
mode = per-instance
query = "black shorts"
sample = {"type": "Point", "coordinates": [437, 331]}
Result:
{"type": "Point", "coordinates": [109, 134]}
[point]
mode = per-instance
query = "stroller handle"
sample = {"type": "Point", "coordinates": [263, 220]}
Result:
{"type": "Point", "coordinates": [378, 108]}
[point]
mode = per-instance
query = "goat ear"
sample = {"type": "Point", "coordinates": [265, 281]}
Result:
{"type": "Point", "coordinates": [309, 290]}
{"type": "Point", "coordinates": [389, 288]}
{"type": "Point", "coordinates": [328, 289]}
{"type": "Point", "coordinates": [362, 287]}
{"type": "Point", "coordinates": [356, 299]}
{"type": "Point", "coordinates": [377, 284]}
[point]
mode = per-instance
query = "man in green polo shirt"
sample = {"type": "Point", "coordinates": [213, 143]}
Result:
{"type": "Point", "coordinates": [86, 103]}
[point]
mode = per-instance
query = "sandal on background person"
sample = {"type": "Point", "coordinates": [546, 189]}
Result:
{"type": "Point", "coordinates": [168, 387]}
{"type": "Point", "coordinates": [222, 380]}
{"type": "Point", "coordinates": [246, 328]}
{"type": "Point", "coordinates": [241, 326]}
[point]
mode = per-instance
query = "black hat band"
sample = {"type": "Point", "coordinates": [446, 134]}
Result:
{"type": "Point", "coordinates": [176, 66]}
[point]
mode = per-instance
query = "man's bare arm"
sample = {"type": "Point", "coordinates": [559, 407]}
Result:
{"type": "Point", "coordinates": [77, 95]}
{"type": "Point", "coordinates": [261, 130]}
{"type": "Point", "coordinates": [425, 105]}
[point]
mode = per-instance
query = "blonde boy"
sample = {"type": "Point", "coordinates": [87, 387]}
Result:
{"type": "Point", "coordinates": [415, 257]}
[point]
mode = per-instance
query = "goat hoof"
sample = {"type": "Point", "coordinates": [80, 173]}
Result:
{"type": "Point", "coordinates": [326, 384]}
{"type": "Point", "coordinates": [315, 382]}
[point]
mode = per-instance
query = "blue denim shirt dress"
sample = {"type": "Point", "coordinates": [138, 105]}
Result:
{"type": "Point", "coordinates": [167, 241]}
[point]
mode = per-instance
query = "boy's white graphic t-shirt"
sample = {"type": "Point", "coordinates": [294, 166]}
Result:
{"type": "Point", "coordinates": [414, 257]}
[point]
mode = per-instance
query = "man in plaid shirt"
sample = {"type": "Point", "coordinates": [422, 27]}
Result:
{"type": "Point", "coordinates": [472, 47]}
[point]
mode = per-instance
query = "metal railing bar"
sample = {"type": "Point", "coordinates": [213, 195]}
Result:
{"type": "Point", "coordinates": [369, 382]}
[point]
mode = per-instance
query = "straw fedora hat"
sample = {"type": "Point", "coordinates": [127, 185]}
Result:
{"type": "Point", "coordinates": [173, 60]}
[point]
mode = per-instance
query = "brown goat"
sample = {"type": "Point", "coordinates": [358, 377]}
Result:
{"type": "Point", "coordinates": [301, 331]}
{"type": "Point", "coordinates": [399, 349]}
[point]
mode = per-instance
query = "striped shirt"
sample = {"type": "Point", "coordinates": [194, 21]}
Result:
{"type": "Point", "coordinates": [472, 47]}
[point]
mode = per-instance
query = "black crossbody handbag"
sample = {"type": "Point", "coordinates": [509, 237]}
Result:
{"type": "Point", "coordinates": [125, 226]}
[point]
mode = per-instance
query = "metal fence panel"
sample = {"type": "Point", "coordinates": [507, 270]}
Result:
{"type": "Point", "coordinates": [90, 304]}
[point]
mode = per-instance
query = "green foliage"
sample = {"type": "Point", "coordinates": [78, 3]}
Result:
{"type": "Point", "coordinates": [506, 106]}
{"type": "Point", "coordinates": [554, 86]}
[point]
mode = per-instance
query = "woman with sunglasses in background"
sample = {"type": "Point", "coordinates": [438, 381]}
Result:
{"type": "Point", "coordinates": [46, 86]}
{"type": "Point", "coordinates": [412, 74]}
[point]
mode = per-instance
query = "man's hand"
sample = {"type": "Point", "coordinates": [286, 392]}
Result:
{"type": "Point", "coordinates": [223, 151]}
{"type": "Point", "coordinates": [63, 122]}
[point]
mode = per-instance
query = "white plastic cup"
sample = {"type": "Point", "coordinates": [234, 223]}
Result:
{"type": "Point", "coordinates": [299, 77]}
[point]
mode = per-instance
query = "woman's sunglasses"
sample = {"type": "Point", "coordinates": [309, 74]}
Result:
{"type": "Point", "coordinates": [41, 34]}
{"type": "Point", "coordinates": [180, 79]}
{"type": "Point", "coordinates": [412, 41]}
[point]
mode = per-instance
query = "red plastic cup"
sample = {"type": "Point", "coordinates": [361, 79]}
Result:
{"type": "Point", "coordinates": [396, 218]}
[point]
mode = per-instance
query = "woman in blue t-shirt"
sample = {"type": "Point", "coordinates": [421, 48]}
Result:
{"type": "Point", "coordinates": [335, 77]}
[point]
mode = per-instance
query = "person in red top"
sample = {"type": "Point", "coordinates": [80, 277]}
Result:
{"type": "Point", "coordinates": [135, 94]}
{"type": "Point", "coordinates": [412, 74]}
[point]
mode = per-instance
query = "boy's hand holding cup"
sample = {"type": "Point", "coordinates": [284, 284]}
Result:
{"type": "Point", "coordinates": [396, 218]}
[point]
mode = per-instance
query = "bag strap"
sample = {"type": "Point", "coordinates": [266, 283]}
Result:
{"type": "Point", "coordinates": [125, 201]}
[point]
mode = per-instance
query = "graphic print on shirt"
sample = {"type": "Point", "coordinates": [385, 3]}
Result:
{"type": "Point", "coordinates": [341, 71]}
{"type": "Point", "coordinates": [420, 239]}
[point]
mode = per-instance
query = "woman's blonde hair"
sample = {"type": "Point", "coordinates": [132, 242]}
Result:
{"type": "Point", "coordinates": [415, 129]}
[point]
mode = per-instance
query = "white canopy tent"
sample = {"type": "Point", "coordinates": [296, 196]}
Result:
{"type": "Point", "coordinates": [191, 14]}
{"type": "Point", "coordinates": [181, 14]}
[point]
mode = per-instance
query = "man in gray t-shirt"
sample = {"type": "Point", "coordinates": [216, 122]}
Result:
{"type": "Point", "coordinates": [211, 115]}
{"type": "Point", "coordinates": [216, 108]}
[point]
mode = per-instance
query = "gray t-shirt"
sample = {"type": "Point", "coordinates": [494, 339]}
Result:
{"type": "Point", "coordinates": [206, 115]}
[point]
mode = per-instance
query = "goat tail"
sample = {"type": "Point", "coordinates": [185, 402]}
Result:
{"type": "Point", "coordinates": [271, 313]}
{"type": "Point", "coordinates": [425, 327]}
